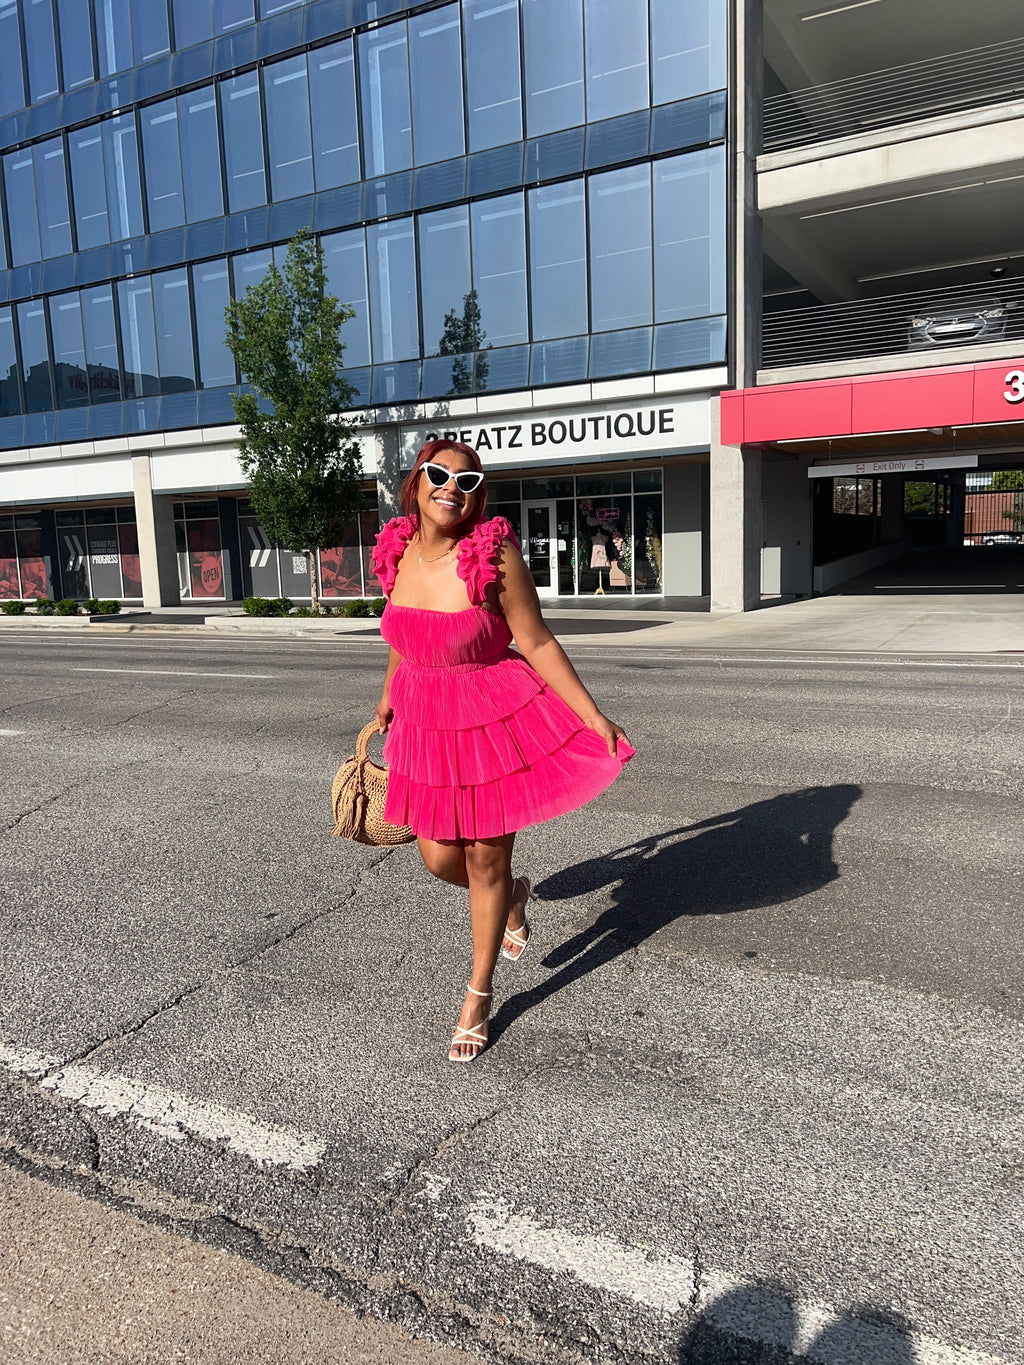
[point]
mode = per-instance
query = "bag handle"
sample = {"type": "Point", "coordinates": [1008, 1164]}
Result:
{"type": "Point", "coordinates": [364, 740]}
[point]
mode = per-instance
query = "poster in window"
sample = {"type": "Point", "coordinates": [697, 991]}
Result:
{"type": "Point", "coordinates": [205, 558]}
{"type": "Point", "coordinates": [131, 569]}
{"type": "Point", "coordinates": [10, 585]}
{"type": "Point", "coordinates": [339, 566]}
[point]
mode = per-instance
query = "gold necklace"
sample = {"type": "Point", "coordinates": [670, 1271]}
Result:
{"type": "Point", "coordinates": [438, 558]}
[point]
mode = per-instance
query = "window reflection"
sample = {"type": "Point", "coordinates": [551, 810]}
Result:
{"type": "Point", "coordinates": [387, 116]}
{"type": "Point", "coordinates": [332, 93]}
{"type": "Point", "coordinates": [75, 42]}
{"type": "Point", "coordinates": [492, 72]}
{"type": "Point", "coordinates": [10, 397]}
{"type": "Point", "coordinates": [620, 248]}
{"type": "Point", "coordinates": [87, 180]}
{"type": "Point", "coordinates": [52, 198]}
{"type": "Point", "coordinates": [40, 48]}
{"type": "Point", "coordinates": [558, 265]}
{"type": "Point", "coordinates": [391, 259]}
{"type": "Point", "coordinates": [200, 155]}
{"type": "Point", "coordinates": [435, 59]}
{"type": "Point", "coordinates": [164, 194]}
{"type": "Point", "coordinates": [243, 141]}
{"type": "Point", "coordinates": [345, 267]}
{"type": "Point", "coordinates": [100, 334]}
{"type": "Point", "coordinates": [689, 228]}
{"type": "Point", "coordinates": [553, 52]}
{"type": "Point", "coordinates": [499, 268]}
{"type": "Point", "coordinates": [173, 322]}
{"type": "Point", "coordinates": [211, 294]}
{"type": "Point", "coordinates": [444, 279]}
{"type": "Point", "coordinates": [72, 383]}
{"type": "Point", "coordinates": [617, 62]}
{"type": "Point", "coordinates": [689, 46]}
{"type": "Point", "coordinates": [289, 135]}
{"type": "Point", "coordinates": [138, 337]}
{"type": "Point", "coordinates": [113, 35]}
{"type": "Point", "coordinates": [12, 81]}
{"type": "Point", "coordinates": [35, 358]}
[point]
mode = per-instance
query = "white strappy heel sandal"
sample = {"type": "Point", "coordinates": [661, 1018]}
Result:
{"type": "Point", "coordinates": [521, 936]}
{"type": "Point", "coordinates": [475, 1036]}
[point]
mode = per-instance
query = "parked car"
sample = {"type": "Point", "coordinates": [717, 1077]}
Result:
{"type": "Point", "coordinates": [1002, 537]}
{"type": "Point", "coordinates": [959, 323]}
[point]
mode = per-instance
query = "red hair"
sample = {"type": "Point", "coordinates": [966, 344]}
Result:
{"type": "Point", "coordinates": [411, 483]}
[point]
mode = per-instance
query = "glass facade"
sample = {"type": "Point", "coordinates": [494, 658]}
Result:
{"type": "Point", "coordinates": [535, 185]}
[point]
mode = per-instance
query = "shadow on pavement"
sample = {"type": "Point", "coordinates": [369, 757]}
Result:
{"type": "Point", "coordinates": [766, 853]}
{"type": "Point", "coordinates": [756, 1326]}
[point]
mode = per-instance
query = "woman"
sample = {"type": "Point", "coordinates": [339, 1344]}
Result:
{"type": "Point", "coordinates": [483, 741]}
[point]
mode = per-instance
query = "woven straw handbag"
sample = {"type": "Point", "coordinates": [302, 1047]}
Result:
{"type": "Point", "coordinates": [358, 793]}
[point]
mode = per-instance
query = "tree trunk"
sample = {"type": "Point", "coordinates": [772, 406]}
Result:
{"type": "Point", "coordinates": [313, 595]}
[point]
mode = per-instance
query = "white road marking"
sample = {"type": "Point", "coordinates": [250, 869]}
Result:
{"type": "Point", "coordinates": [169, 1114]}
{"type": "Point", "coordinates": [173, 672]}
{"type": "Point", "coordinates": [665, 1283]}
{"type": "Point", "coordinates": [745, 1310]}
{"type": "Point", "coordinates": [11, 732]}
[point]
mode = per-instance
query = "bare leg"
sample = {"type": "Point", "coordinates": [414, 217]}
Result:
{"type": "Point", "coordinates": [445, 860]}
{"type": "Point", "coordinates": [488, 866]}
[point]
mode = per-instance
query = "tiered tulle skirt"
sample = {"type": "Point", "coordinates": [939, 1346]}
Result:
{"type": "Point", "coordinates": [480, 750]}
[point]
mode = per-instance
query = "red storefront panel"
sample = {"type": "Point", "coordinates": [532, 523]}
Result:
{"type": "Point", "coordinates": [901, 402]}
{"type": "Point", "coordinates": [956, 396]}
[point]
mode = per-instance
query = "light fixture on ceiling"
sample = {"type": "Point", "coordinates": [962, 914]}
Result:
{"type": "Point", "coordinates": [997, 272]}
{"type": "Point", "coordinates": [838, 9]}
{"type": "Point", "coordinates": [936, 431]}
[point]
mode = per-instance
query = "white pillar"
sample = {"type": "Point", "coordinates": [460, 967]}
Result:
{"type": "Point", "coordinates": [736, 523]}
{"type": "Point", "coordinates": [158, 561]}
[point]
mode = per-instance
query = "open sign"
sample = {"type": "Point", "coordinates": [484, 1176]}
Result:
{"type": "Point", "coordinates": [607, 514]}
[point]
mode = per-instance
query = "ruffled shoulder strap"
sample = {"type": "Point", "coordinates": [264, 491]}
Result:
{"type": "Point", "coordinates": [392, 539]}
{"type": "Point", "coordinates": [478, 558]}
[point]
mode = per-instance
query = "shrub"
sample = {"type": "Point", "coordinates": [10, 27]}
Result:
{"type": "Point", "coordinates": [13, 608]}
{"type": "Point", "coordinates": [360, 607]}
{"type": "Point", "coordinates": [306, 611]}
{"type": "Point", "coordinates": [91, 605]}
{"type": "Point", "coordinates": [281, 606]}
{"type": "Point", "coordinates": [45, 606]}
{"type": "Point", "coordinates": [256, 606]}
{"type": "Point", "coordinates": [67, 606]}
{"type": "Point", "coordinates": [107, 606]}
{"type": "Point", "coordinates": [377, 605]}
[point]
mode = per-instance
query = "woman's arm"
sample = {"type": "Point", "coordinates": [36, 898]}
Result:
{"type": "Point", "coordinates": [517, 597]}
{"type": "Point", "coordinates": [384, 711]}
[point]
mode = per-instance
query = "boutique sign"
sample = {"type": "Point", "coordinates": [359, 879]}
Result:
{"type": "Point", "coordinates": [607, 432]}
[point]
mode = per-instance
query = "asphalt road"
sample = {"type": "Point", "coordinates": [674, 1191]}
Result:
{"type": "Point", "coordinates": [755, 1089]}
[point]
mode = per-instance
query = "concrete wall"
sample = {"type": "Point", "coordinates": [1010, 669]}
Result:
{"type": "Point", "coordinates": [786, 551]}
{"type": "Point", "coordinates": [684, 530]}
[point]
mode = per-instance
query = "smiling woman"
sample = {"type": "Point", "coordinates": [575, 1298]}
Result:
{"type": "Point", "coordinates": [483, 740]}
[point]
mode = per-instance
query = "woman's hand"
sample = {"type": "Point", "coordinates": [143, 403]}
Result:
{"type": "Point", "coordinates": [384, 715]}
{"type": "Point", "coordinates": [608, 730]}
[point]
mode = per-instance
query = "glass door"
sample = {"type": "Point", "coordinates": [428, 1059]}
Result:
{"type": "Point", "coordinates": [540, 546]}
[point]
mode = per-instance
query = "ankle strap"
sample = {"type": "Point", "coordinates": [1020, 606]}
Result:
{"type": "Point", "coordinates": [485, 994]}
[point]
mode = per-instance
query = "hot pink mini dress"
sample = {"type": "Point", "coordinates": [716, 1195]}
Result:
{"type": "Point", "coordinates": [480, 745]}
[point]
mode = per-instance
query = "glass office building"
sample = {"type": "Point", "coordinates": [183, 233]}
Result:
{"type": "Point", "coordinates": [524, 201]}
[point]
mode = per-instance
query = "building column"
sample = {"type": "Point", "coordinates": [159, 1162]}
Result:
{"type": "Point", "coordinates": [389, 472]}
{"type": "Point", "coordinates": [892, 508]}
{"type": "Point", "coordinates": [736, 523]}
{"type": "Point", "coordinates": [746, 106]}
{"type": "Point", "coordinates": [957, 509]}
{"type": "Point", "coordinates": [158, 560]}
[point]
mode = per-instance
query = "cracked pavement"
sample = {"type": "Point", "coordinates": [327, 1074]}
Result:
{"type": "Point", "coordinates": [754, 1092]}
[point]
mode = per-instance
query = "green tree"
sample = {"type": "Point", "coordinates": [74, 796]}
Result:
{"type": "Point", "coordinates": [462, 336]}
{"type": "Point", "coordinates": [919, 498]}
{"type": "Point", "coordinates": [1008, 481]}
{"type": "Point", "coordinates": [298, 452]}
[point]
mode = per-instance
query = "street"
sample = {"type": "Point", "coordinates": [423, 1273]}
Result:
{"type": "Point", "coordinates": [754, 1092]}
